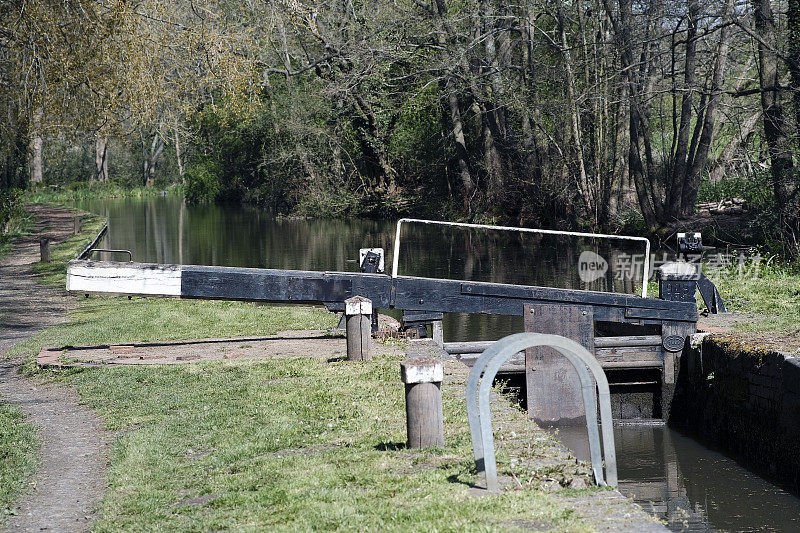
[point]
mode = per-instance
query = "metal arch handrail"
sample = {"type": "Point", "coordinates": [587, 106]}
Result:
{"type": "Point", "coordinates": [480, 421]}
{"type": "Point", "coordinates": [475, 418]}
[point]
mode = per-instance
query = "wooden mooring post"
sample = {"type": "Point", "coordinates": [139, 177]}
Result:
{"type": "Point", "coordinates": [358, 311]}
{"type": "Point", "coordinates": [424, 419]}
{"type": "Point", "coordinates": [44, 249]}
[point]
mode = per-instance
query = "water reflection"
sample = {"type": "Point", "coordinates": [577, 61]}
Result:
{"type": "Point", "coordinates": [689, 486]}
{"type": "Point", "coordinates": [165, 230]}
{"type": "Point", "coordinates": [678, 479]}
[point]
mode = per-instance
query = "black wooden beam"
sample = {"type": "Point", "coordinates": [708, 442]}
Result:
{"type": "Point", "coordinates": [332, 288]}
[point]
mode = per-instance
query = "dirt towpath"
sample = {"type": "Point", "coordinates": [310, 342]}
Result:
{"type": "Point", "coordinates": [71, 478]}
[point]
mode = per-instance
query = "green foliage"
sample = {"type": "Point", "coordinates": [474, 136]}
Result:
{"type": "Point", "coordinates": [14, 221]}
{"type": "Point", "coordinates": [18, 446]}
{"type": "Point", "coordinates": [328, 204]}
{"type": "Point", "coordinates": [756, 189]}
{"type": "Point", "coordinates": [91, 190]}
{"type": "Point", "coordinates": [758, 193]}
{"type": "Point", "coordinates": [202, 182]}
{"type": "Point", "coordinates": [10, 206]}
{"type": "Point", "coordinates": [770, 295]}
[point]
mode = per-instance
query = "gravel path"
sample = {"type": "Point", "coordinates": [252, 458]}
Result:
{"type": "Point", "coordinates": [71, 478]}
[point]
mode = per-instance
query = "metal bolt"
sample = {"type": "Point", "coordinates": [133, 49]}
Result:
{"type": "Point", "coordinates": [421, 300]}
{"type": "Point", "coordinates": [585, 313]}
{"type": "Point", "coordinates": [533, 311]}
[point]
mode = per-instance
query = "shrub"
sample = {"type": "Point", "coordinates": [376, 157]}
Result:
{"type": "Point", "coordinates": [202, 182]}
{"type": "Point", "coordinates": [10, 206]}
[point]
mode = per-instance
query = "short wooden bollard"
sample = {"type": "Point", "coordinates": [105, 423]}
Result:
{"type": "Point", "coordinates": [76, 225]}
{"type": "Point", "coordinates": [44, 249]}
{"type": "Point", "coordinates": [359, 328]}
{"type": "Point", "coordinates": [424, 419]}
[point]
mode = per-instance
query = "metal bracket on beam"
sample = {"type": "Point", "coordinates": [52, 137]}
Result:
{"type": "Point", "coordinates": [478, 408]}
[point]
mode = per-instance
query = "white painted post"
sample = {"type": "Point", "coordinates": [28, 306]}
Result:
{"type": "Point", "coordinates": [438, 333]}
{"type": "Point", "coordinates": [358, 311]}
{"type": "Point", "coordinates": [424, 418]}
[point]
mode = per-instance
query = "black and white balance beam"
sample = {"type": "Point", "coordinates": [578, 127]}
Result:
{"type": "Point", "coordinates": [333, 288]}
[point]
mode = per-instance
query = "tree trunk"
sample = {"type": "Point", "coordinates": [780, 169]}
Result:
{"type": "Point", "coordinates": [679, 163]}
{"type": "Point", "coordinates": [467, 184]}
{"type": "Point", "coordinates": [699, 156]}
{"type": "Point", "coordinates": [151, 158]}
{"type": "Point", "coordinates": [622, 29]}
{"type": "Point", "coordinates": [720, 164]}
{"type": "Point", "coordinates": [178, 155]}
{"type": "Point", "coordinates": [583, 181]}
{"type": "Point", "coordinates": [100, 157]}
{"type": "Point", "coordinates": [387, 176]}
{"type": "Point", "coordinates": [778, 145]}
{"type": "Point", "coordinates": [448, 87]}
{"type": "Point", "coordinates": [35, 148]}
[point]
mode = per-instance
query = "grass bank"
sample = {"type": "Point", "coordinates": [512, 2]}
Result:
{"type": "Point", "coordinates": [91, 191]}
{"type": "Point", "coordinates": [288, 444]}
{"type": "Point", "coordinates": [772, 299]}
{"type": "Point", "coordinates": [55, 272]}
{"type": "Point", "coordinates": [18, 447]}
{"type": "Point", "coordinates": [17, 228]}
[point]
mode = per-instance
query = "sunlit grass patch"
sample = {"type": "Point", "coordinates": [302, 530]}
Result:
{"type": "Point", "coordinates": [17, 228]}
{"type": "Point", "coordinates": [18, 446]}
{"type": "Point", "coordinates": [288, 444]}
{"type": "Point", "coordinates": [772, 298]}
{"type": "Point", "coordinates": [118, 320]}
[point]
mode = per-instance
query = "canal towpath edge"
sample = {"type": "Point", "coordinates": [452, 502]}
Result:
{"type": "Point", "coordinates": [71, 478]}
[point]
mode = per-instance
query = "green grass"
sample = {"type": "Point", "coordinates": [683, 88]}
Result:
{"type": "Point", "coordinates": [288, 444]}
{"type": "Point", "coordinates": [104, 320]}
{"type": "Point", "coordinates": [293, 443]}
{"type": "Point", "coordinates": [18, 447]}
{"type": "Point", "coordinates": [55, 272]}
{"type": "Point", "coordinates": [17, 228]}
{"type": "Point", "coordinates": [90, 191]}
{"type": "Point", "coordinates": [772, 298]}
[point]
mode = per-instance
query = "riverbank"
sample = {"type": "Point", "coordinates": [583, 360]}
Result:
{"type": "Point", "coordinates": [296, 440]}
{"type": "Point", "coordinates": [93, 191]}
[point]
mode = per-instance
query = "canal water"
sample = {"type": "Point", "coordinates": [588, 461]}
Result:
{"type": "Point", "coordinates": [689, 486]}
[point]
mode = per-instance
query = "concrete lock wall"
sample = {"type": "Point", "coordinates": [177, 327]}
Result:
{"type": "Point", "coordinates": [744, 399]}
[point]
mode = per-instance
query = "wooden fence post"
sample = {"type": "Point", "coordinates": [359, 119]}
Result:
{"type": "Point", "coordinates": [424, 418]}
{"type": "Point", "coordinates": [359, 328]}
{"type": "Point", "coordinates": [44, 249]}
{"type": "Point", "coordinates": [76, 225]}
